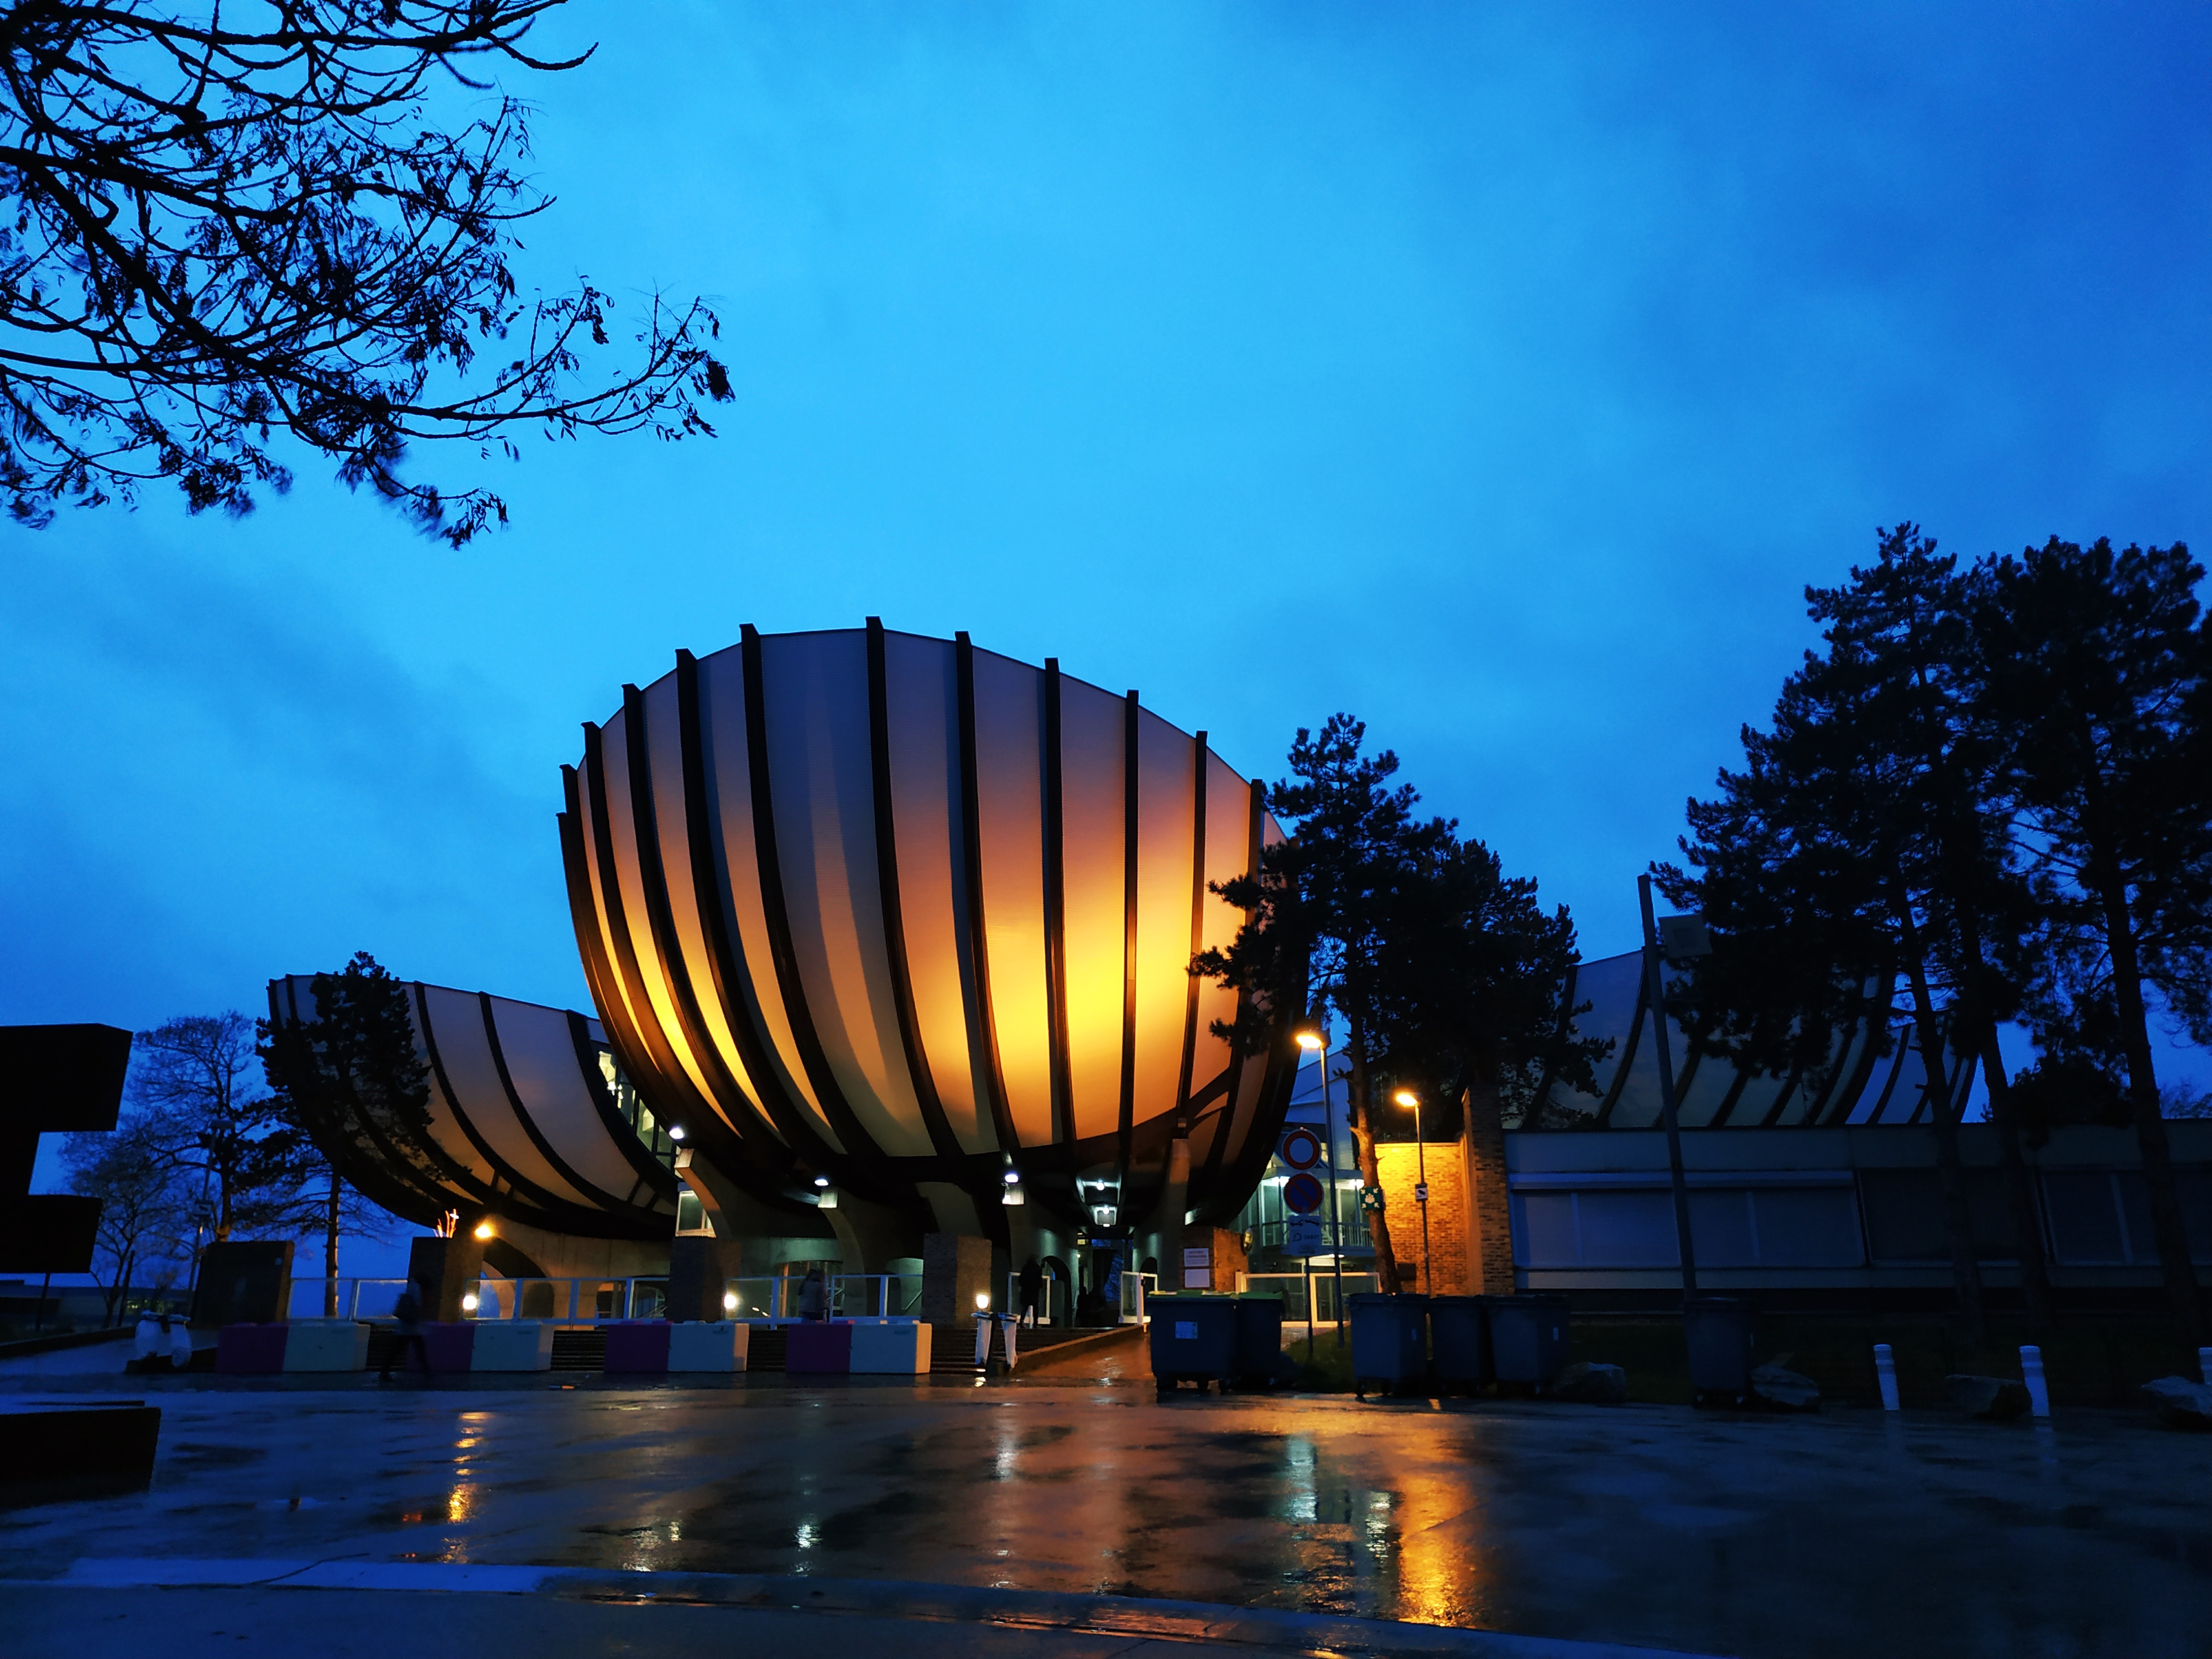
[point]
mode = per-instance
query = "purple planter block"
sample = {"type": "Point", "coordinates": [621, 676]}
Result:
{"type": "Point", "coordinates": [639, 1346]}
{"type": "Point", "coordinates": [250, 1350]}
{"type": "Point", "coordinates": [824, 1349]}
{"type": "Point", "coordinates": [451, 1344]}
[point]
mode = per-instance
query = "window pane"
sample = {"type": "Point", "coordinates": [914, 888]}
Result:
{"type": "Point", "coordinates": [1627, 1229]}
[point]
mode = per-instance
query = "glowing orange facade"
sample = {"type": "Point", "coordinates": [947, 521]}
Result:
{"type": "Point", "coordinates": [904, 916]}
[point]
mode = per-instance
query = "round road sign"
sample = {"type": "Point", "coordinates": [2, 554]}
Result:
{"type": "Point", "coordinates": [1301, 1192]}
{"type": "Point", "coordinates": [1301, 1149]}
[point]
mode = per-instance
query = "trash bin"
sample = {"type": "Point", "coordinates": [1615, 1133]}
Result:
{"type": "Point", "coordinates": [1718, 1331]}
{"type": "Point", "coordinates": [1459, 1342]}
{"type": "Point", "coordinates": [1194, 1340]}
{"type": "Point", "coordinates": [1259, 1341]}
{"type": "Point", "coordinates": [1528, 1338]}
{"type": "Point", "coordinates": [1390, 1342]}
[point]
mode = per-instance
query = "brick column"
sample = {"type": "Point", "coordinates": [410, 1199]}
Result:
{"type": "Point", "coordinates": [1492, 1216]}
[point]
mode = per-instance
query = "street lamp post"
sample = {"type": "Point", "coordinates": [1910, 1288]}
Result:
{"type": "Point", "coordinates": [1316, 1043]}
{"type": "Point", "coordinates": [1407, 1097]}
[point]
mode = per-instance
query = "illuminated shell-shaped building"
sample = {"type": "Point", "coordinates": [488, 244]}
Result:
{"type": "Point", "coordinates": [529, 1120]}
{"type": "Point", "coordinates": [892, 919]}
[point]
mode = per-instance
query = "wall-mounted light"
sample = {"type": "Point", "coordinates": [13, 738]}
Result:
{"type": "Point", "coordinates": [1012, 1177]}
{"type": "Point", "coordinates": [730, 1301]}
{"type": "Point", "coordinates": [982, 1300]}
{"type": "Point", "coordinates": [469, 1303]}
{"type": "Point", "coordinates": [484, 1229]}
{"type": "Point", "coordinates": [676, 1132]}
{"type": "Point", "coordinates": [822, 1181]}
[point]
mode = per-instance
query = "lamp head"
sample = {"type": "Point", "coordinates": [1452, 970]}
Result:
{"type": "Point", "coordinates": [484, 1229]}
{"type": "Point", "coordinates": [822, 1181]}
{"type": "Point", "coordinates": [1310, 1041]}
{"type": "Point", "coordinates": [676, 1132]}
{"type": "Point", "coordinates": [1406, 1097]}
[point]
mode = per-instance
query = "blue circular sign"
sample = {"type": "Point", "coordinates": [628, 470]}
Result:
{"type": "Point", "coordinates": [1301, 1192]}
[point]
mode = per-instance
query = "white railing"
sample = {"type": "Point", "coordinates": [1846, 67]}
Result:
{"type": "Point", "coordinates": [1314, 1291]}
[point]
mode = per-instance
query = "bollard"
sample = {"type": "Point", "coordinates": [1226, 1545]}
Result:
{"type": "Point", "coordinates": [2204, 1364]}
{"type": "Point", "coordinates": [2031, 1372]}
{"type": "Point", "coordinates": [1884, 1372]}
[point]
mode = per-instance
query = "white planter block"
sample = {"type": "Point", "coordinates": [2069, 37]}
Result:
{"type": "Point", "coordinates": [698, 1346]}
{"type": "Point", "coordinates": [894, 1347]}
{"type": "Point", "coordinates": [513, 1345]}
{"type": "Point", "coordinates": [325, 1345]}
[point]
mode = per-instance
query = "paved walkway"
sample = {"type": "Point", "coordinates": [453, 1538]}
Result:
{"type": "Point", "coordinates": [1846, 1534]}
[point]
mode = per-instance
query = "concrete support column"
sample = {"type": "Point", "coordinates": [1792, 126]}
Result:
{"type": "Point", "coordinates": [447, 1269]}
{"type": "Point", "coordinates": [697, 1266]}
{"type": "Point", "coordinates": [956, 1268]}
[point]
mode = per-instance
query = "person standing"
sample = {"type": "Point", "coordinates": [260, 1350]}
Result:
{"type": "Point", "coordinates": [813, 1296]}
{"type": "Point", "coordinates": [409, 1312]}
{"type": "Point", "coordinates": [1032, 1283]}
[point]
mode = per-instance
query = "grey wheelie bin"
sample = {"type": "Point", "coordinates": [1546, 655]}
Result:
{"type": "Point", "coordinates": [1390, 1342]}
{"type": "Point", "coordinates": [1459, 1342]}
{"type": "Point", "coordinates": [1718, 1331]}
{"type": "Point", "coordinates": [1194, 1340]}
{"type": "Point", "coordinates": [1259, 1341]}
{"type": "Point", "coordinates": [1528, 1339]}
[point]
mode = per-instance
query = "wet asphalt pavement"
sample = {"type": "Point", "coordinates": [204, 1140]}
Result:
{"type": "Point", "coordinates": [1848, 1534]}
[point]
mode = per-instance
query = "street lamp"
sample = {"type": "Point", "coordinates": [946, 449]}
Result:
{"type": "Point", "coordinates": [1407, 1097]}
{"type": "Point", "coordinates": [1315, 1042]}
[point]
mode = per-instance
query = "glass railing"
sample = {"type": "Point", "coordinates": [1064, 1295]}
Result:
{"type": "Point", "coordinates": [591, 1301]}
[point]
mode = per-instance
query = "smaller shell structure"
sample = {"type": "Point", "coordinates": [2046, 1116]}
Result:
{"type": "Point", "coordinates": [530, 1120]}
{"type": "Point", "coordinates": [894, 914]}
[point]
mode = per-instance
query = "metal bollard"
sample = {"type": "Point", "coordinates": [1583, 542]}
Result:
{"type": "Point", "coordinates": [1884, 1372]}
{"type": "Point", "coordinates": [2204, 1364]}
{"type": "Point", "coordinates": [2031, 1372]}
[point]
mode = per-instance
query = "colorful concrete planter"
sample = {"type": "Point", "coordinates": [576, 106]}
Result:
{"type": "Point", "coordinates": [638, 1347]}
{"type": "Point", "coordinates": [819, 1348]}
{"type": "Point", "coordinates": [890, 1348]}
{"type": "Point", "coordinates": [324, 1345]}
{"type": "Point", "coordinates": [703, 1346]}
{"type": "Point", "coordinates": [513, 1345]}
{"type": "Point", "coordinates": [250, 1350]}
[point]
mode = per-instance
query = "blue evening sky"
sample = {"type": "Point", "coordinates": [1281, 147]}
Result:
{"type": "Point", "coordinates": [1501, 375]}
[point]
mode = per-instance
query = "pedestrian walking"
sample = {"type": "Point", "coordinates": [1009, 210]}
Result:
{"type": "Point", "coordinates": [408, 1310]}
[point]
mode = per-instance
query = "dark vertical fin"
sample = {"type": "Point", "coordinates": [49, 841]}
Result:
{"type": "Point", "coordinates": [979, 938]}
{"type": "Point", "coordinates": [702, 830]}
{"type": "Point", "coordinates": [1055, 917]}
{"type": "Point", "coordinates": [887, 890]}
{"type": "Point", "coordinates": [1197, 921]}
{"type": "Point", "coordinates": [863, 1158]}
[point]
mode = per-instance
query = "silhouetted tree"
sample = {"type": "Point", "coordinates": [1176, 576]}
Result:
{"type": "Point", "coordinates": [200, 1088]}
{"type": "Point", "coordinates": [230, 223]}
{"type": "Point", "coordinates": [349, 1079]}
{"type": "Point", "coordinates": [145, 1205]}
{"type": "Point", "coordinates": [1445, 972]}
{"type": "Point", "coordinates": [2099, 673]}
{"type": "Point", "coordinates": [1868, 836]}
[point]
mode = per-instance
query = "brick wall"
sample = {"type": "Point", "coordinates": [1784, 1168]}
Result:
{"type": "Point", "coordinates": [1450, 1233]}
{"type": "Point", "coordinates": [1470, 1233]}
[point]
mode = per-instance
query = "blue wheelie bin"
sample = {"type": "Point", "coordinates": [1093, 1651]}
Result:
{"type": "Point", "coordinates": [1459, 1342]}
{"type": "Point", "coordinates": [1194, 1340]}
{"type": "Point", "coordinates": [1259, 1341]}
{"type": "Point", "coordinates": [1390, 1342]}
{"type": "Point", "coordinates": [1528, 1339]}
